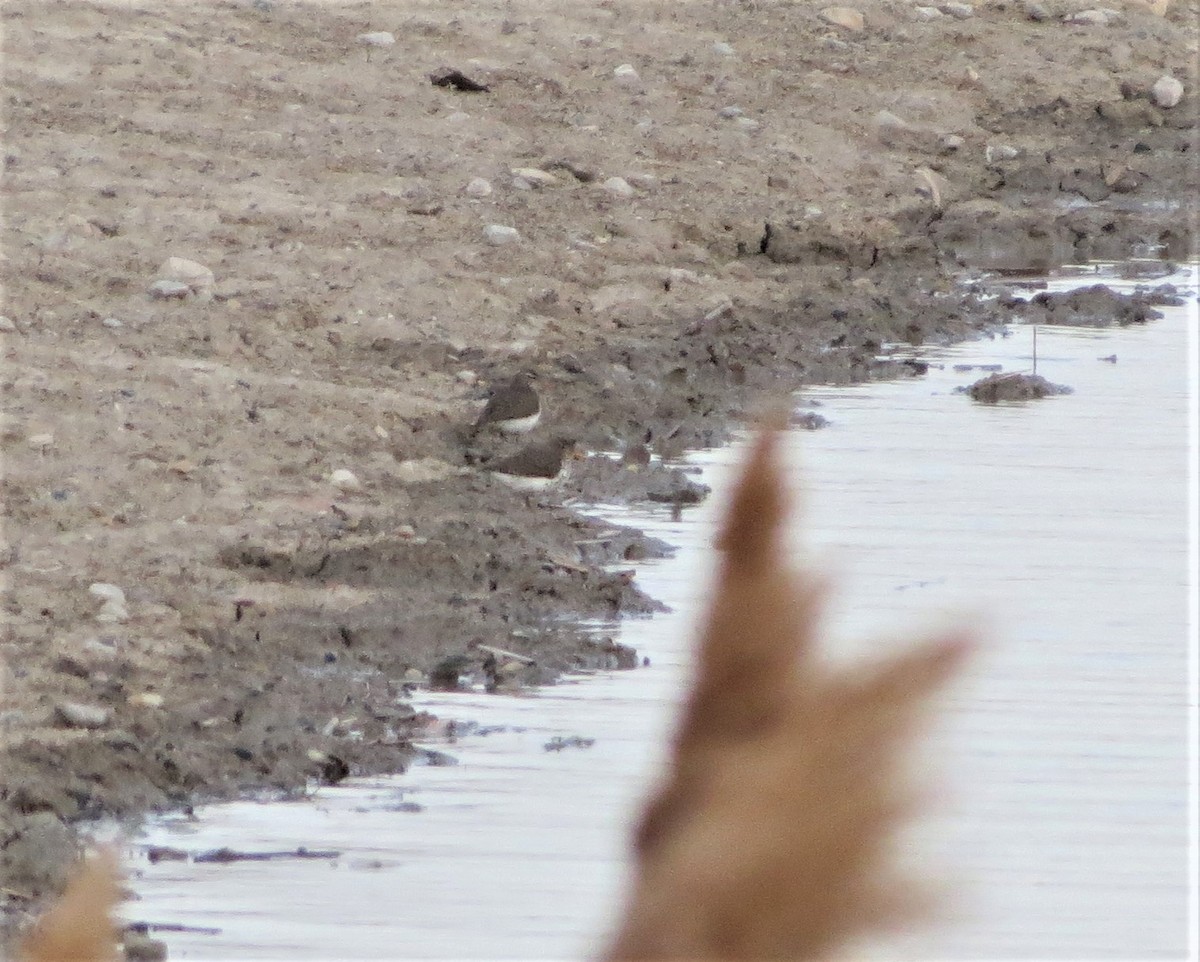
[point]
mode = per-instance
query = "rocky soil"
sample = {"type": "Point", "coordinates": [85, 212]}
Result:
{"type": "Point", "coordinates": [242, 509]}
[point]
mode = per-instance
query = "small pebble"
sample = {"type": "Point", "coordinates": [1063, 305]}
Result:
{"type": "Point", "coordinates": [1089, 18]}
{"type": "Point", "coordinates": [887, 120]}
{"type": "Point", "coordinates": [478, 187]}
{"type": "Point", "coordinates": [109, 592]}
{"type": "Point", "coordinates": [78, 715]}
{"type": "Point", "coordinates": [960, 11]}
{"type": "Point", "coordinates": [197, 277]}
{"type": "Point", "coordinates": [950, 143]}
{"type": "Point", "coordinates": [845, 17]}
{"type": "Point", "coordinates": [530, 178]}
{"type": "Point", "coordinates": [498, 235]}
{"type": "Point", "coordinates": [619, 186]}
{"type": "Point", "coordinates": [1036, 12]}
{"type": "Point", "coordinates": [6, 324]}
{"type": "Point", "coordinates": [41, 442]}
{"type": "Point", "coordinates": [927, 13]}
{"type": "Point", "coordinates": [111, 322]}
{"type": "Point", "coordinates": [626, 76]}
{"type": "Point", "coordinates": [113, 610]}
{"type": "Point", "coordinates": [1166, 92]}
{"type": "Point", "coordinates": [994, 153]}
{"type": "Point", "coordinates": [378, 38]}
{"type": "Point", "coordinates": [729, 113]}
{"type": "Point", "coordinates": [345, 480]}
{"type": "Point", "coordinates": [146, 699]}
{"type": "Point", "coordinates": [723, 49]}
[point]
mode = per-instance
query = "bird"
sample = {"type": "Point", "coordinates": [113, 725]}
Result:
{"type": "Point", "coordinates": [514, 408]}
{"type": "Point", "coordinates": [535, 467]}
{"type": "Point", "coordinates": [637, 453]}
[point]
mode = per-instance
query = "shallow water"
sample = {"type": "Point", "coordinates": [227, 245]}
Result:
{"type": "Point", "coordinates": [1061, 527]}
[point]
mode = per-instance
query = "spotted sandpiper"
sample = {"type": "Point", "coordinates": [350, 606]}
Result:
{"type": "Point", "coordinates": [535, 467]}
{"type": "Point", "coordinates": [514, 408]}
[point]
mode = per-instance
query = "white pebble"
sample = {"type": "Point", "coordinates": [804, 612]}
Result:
{"type": "Point", "coordinates": [345, 480]}
{"type": "Point", "coordinates": [619, 186]}
{"type": "Point", "coordinates": [41, 442]}
{"type": "Point", "coordinates": [146, 699]}
{"type": "Point", "coordinates": [78, 715]}
{"type": "Point", "coordinates": [960, 11]}
{"type": "Point", "coordinates": [845, 17]}
{"type": "Point", "coordinates": [6, 324]}
{"type": "Point", "coordinates": [498, 235]}
{"type": "Point", "coordinates": [1167, 91]}
{"type": "Point", "coordinates": [534, 177]}
{"type": "Point", "coordinates": [112, 322]}
{"type": "Point", "coordinates": [626, 75]}
{"type": "Point", "coordinates": [478, 187]}
{"type": "Point", "coordinates": [1089, 18]}
{"type": "Point", "coordinates": [192, 273]}
{"type": "Point", "coordinates": [723, 49]}
{"type": "Point", "coordinates": [113, 609]}
{"type": "Point", "coordinates": [927, 13]}
{"type": "Point", "coordinates": [997, 152]}
{"type": "Point", "coordinates": [888, 120]}
{"type": "Point", "coordinates": [378, 38]}
{"type": "Point", "coordinates": [729, 113]}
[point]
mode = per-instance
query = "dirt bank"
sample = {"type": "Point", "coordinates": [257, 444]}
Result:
{"type": "Point", "coordinates": [713, 202]}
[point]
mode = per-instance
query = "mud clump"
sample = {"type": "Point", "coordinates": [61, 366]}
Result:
{"type": "Point", "coordinates": [1098, 306]}
{"type": "Point", "coordinates": [1013, 387]}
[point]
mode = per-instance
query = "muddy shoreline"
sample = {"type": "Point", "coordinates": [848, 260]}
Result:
{"type": "Point", "coordinates": [183, 450]}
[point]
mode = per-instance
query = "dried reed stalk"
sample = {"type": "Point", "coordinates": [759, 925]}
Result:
{"type": "Point", "coordinates": [79, 927]}
{"type": "Point", "coordinates": [769, 837]}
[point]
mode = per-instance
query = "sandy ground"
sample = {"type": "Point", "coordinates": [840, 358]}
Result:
{"type": "Point", "coordinates": [716, 202]}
